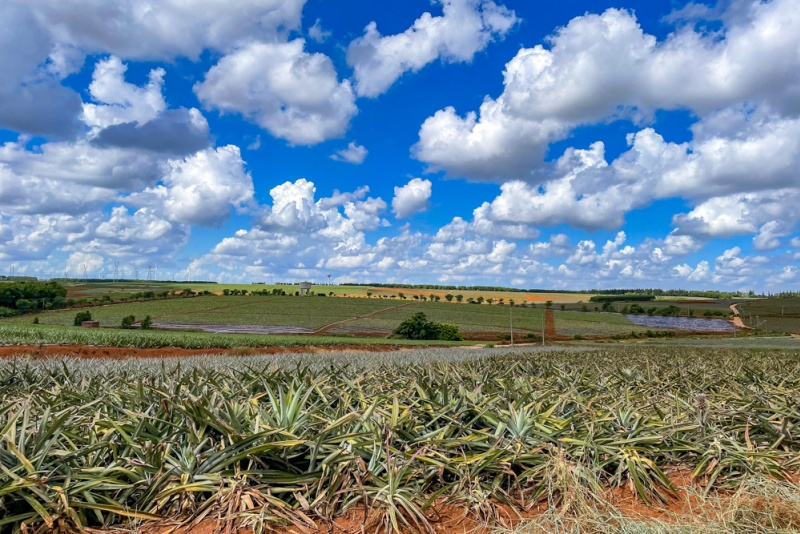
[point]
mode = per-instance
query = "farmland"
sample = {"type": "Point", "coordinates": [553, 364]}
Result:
{"type": "Point", "coordinates": [119, 289]}
{"type": "Point", "coordinates": [312, 313]}
{"type": "Point", "coordinates": [62, 335]}
{"type": "Point", "coordinates": [302, 439]}
{"type": "Point", "coordinates": [496, 319]}
{"type": "Point", "coordinates": [777, 314]}
{"type": "Point", "coordinates": [372, 317]}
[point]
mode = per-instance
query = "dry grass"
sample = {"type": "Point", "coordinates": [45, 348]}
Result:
{"type": "Point", "coordinates": [759, 505]}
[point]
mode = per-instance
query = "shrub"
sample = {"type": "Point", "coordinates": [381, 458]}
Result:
{"type": "Point", "coordinates": [146, 323]}
{"type": "Point", "coordinates": [419, 327]}
{"type": "Point", "coordinates": [81, 317]}
{"type": "Point", "coordinates": [25, 305]}
{"type": "Point", "coordinates": [448, 332]}
{"type": "Point", "coordinates": [127, 322]}
{"type": "Point", "coordinates": [35, 320]}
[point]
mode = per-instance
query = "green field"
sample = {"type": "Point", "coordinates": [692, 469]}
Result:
{"type": "Point", "coordinates": [775, 314]}
{"type": "Point", "coordinates": [307, 312]}
{"type": "Point", "coordinates": [473, 318]}
{"type": "Point", "coordinates": [290, 439]}
{"type": "Point", "coordinates": [146, 339]}
{"type": "Point", "coordinates": [315, 313]}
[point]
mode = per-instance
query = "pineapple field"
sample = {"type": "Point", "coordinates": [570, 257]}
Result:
{"type": "Point", "coordinates": [299, 440]}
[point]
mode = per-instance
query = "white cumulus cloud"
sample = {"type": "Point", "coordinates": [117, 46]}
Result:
{"type": "Point", "coordinates": [291, 93]}
{"type": "Point", "coordinates": [464, 28]}
{"type": "Point", "coordinates": [411, 198]}
{"type": "Point", "coordinates": [354, 153]}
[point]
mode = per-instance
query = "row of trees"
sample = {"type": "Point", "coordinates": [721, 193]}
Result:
{"type": "Point", "coordinates": [24, 295]}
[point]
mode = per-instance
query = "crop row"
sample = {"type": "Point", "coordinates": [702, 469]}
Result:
{"type": "Point", "coordinates": [60, 335]}
{"type": "Point", "coordinates": [284, 440]}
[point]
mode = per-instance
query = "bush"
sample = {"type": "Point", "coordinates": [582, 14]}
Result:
{"type": "Point", "coordinates": [81, 317]}
{"type": "Point", "coordinates": [35, 320]}
{"type": "Point", "coordinates": [448, 332]}
{"type": "Point", "coordinates": [25, 305]}
{"type": "Point", "coordinates": [146, 323]}
{"type": "Point", "coordinates": [419, 327]}
{"type": "Point", "coordinates": [127, 322]}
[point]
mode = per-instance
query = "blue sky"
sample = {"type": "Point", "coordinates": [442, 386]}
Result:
{"type": "Point", "coordinates": [533, 144]}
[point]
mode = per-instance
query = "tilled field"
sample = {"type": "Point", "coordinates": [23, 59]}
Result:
{"type": "Point", "coordinates": [304, 439]}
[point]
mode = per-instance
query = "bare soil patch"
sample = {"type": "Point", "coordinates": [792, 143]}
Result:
{"type": "Point", "coordinates": [685, 506]}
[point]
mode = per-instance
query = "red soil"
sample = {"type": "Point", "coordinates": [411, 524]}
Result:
{"type": "Point", "coordinates": [684, 505]}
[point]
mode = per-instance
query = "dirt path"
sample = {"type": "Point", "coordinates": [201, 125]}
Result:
{"type": "Point", "coordinates": [333, 325]}
{"type": "Point", "coordinates": [737, 319]}
{"type": "Point", "coordinates": [549, 324]}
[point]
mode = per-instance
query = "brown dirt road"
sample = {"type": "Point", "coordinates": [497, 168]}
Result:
{"type": "Point", "coordinates": [737, 319]}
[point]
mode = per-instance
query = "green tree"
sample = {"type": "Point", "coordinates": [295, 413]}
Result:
{"type": "Point", "coordinates": [127, 322]}
{"type": "Point", "coordinates": [81, 317]}
{"type": "Point", "coordinates": [449, 297]}
{"type": "Point", "coordinates": [459, 298]}
{"type": "Point", "coordinates": [548, 304]}
{"type": "Point", "coordinates": [146, 323]}
{"type": "Point", "coordinates": [419, 327]}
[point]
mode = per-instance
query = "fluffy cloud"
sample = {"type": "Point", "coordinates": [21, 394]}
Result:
{"type": "Point", "coordinates": [290, 93]}
{"type": "Point", "coordinates": [43, 41]}
{"type": "Point", "coordinates": [301, 235]}
{"type": "Point", "coordinates": [174, 132]}
{"type": "Point", "coordinates": [126, 115]}
{"type": "Point", "coordinates": [739, 179]}
{"type": "Point", "coordinates": [354, 153]}
{"type": "Point", "coordinates": [465, 28]}
{"type": "Point", "coordinates": [32, 99]}
{"type": "Point", "coordinates": [604, 66]}
{"type": "Point", "coordinates": [771, 213]}
{"type": "Point", "coordinates": [34, 237]}
{"type": "Point", "coordinates": [65, 170]}
{"type": "Point", "coordinates": [144, 235]}
{"type": "Point", "coordinates": [175, 28]}
{"type": "Point", "coordinates": [121, 101]}
{"type": "Point", "coordinates": [699, 273]}
{"type": "Point", "coordinates": [411, 198]}
{"type": "Point", "coordinates": [202, 188]}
